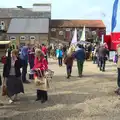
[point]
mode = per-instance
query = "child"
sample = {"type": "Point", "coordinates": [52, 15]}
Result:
{"type": "Point", "coordinates": [68, 60]}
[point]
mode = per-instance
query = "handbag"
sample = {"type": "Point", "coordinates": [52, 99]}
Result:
{"type": "Point", "coordinates": [4, 90]}
{"type": "Point", "coordinates": [39, 80]}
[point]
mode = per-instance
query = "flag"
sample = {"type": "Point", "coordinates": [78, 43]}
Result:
{"type": "Point", "coordinates": [83, 35]}
{"type": "Point", "coordinates": [74, 39]}
{"type": "Point", "coordinates": [102, 39]}
{"type": "Point", "coordinates": [114, 15]}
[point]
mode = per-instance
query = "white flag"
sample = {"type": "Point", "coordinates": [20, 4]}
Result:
{"type": "Point", "coordinates": [83, 35]}
{"type": "Point", "coordinates": [74, 39]}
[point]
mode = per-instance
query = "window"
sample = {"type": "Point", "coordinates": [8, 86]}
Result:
{"type": "Point", "coordinates": [32, 37]}
{"type": "Point", "coordinates": [61, 32]}
{"type": "Point", "coordinates": [22, 38]}
{"type": "Point", "coordinates": [53, 29]}
{"type": "Point", "coordinates": [68, 29]}
{"type": "Point", "coordinates": [2, 46]}
{"type": "Point", "coordinates": [12, 38]}
{"type": "Point", "coordinates": [2, 25]}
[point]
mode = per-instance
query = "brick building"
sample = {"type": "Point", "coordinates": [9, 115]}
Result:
{"type": "Point", "coordinates": [63, 29]}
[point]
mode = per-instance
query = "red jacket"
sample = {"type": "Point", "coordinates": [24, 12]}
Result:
{"type": "Point", "coordinates": [41, 64]}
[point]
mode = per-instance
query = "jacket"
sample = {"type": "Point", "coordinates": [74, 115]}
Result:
{"type": "Point", "coordinates": [59, 53]}
{"type": "Point", "coordinates": [103, 52]}
{"type": "Point", "coordinates": [80, 54]}
{"type": "Point", "coordinates": [68, 60]}
{"type": "Point", "coordinates": [24, 53]}
{"type": "Point", "coordinates": [7, 67]}
{"type": "Point", "coordinates": [41, 64]}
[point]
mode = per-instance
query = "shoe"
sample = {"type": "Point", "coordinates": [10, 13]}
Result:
{"type": "Point", "coordinates": [1, 104]}
{"type": "Point", "coordinates": [26, 82]}
{"type": "Point", "coordinates": [15, 98]}
{"type": "Point", "coordinates": [68, 77]}
{"type": "Point", "coordinates": [10, 101]}
{"type": "Point", "coordinates": [43, 101]}
{"type": "Point", "coordinates": [37, 99]}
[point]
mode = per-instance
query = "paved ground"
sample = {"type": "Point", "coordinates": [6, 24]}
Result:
{"type": "Point", "coordinates": [89, 98]}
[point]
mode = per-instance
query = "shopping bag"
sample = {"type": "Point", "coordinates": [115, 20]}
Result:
{"type": "Point", "coordinates": [4, 90]}
{"type": "Point", "coordinates": [39, 80]}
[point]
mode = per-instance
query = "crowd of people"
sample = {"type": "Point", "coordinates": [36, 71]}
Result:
{"type": "Point", "coordinates": [17, 59]}
{"type": "Point", "coordinates": [37, 58]}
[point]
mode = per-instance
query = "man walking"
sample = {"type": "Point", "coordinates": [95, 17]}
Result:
{"type": "Point", "coordinates": [80, 56]}
{"type": "Point", "coordinates": [24, 58]}
{"type": "Point", "coordinates": [102, 54]}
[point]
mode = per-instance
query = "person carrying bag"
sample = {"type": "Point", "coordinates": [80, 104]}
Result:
{"type": "Point", "coordinates": [41, 83]}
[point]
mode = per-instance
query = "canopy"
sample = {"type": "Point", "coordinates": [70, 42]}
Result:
{"type": "Point", "coordinates": [4, 42]}
{"type": "Point", "coordinates": [83, 42]}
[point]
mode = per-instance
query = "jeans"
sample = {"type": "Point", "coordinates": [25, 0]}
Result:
{"type": "Point", "coordinates": [60, 61]}
{"type": "Point", "coordinates": [118, 78]}
{"type": "Point", "coordinates": [102, 63]}
{"type": "Point", "coordinates": [80, 67]}
{"type": "Point", "coordinates": [24, 70]}
{"type": "Point", "coordinates": [69, 70]}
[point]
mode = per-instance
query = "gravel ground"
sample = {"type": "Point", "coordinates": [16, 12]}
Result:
{"type": "Point", "coordinates": [89, 98]}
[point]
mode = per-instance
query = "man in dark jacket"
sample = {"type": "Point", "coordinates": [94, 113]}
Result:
{"type": "Point", "coordinates": [102, 54]}
{"type": "Point", "coordinates": [80, 56]}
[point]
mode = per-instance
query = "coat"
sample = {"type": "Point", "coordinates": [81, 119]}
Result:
{"type": "Point", "coordinates": [80, 54]}
{"type": "Point", "coordinates": [68, 60]}
{"type": "Point", "coordinates": [42, 64]}
{"type": "Point", "coordinates": [59, 53]}
{"type": "Point", "coordinates": [7, 67]}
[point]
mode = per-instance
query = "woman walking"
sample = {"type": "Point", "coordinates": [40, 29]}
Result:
{"type": "Point", "coordinates": [40, 66]}
{"type": "Point", "coordinates": [68, 60]}
{"type": "Point", "coordinates": [12, 76]}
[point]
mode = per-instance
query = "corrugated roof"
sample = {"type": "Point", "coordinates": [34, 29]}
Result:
{"type": "Point", "coordinates": [77, 23]}
{"type": "Point", "coordinates": [25, 25]}
{"type": "Point", "coordinates": [22, 13]}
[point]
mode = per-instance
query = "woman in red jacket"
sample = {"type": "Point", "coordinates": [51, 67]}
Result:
{"type": "Point", "coordinates": [41, 64]}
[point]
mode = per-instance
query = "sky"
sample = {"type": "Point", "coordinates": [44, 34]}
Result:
{"type": "Point", "coordinates": [74, 9]}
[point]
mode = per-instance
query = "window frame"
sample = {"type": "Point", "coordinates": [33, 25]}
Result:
{"type": "Point", "coordinates": [22, 39]}
{"type": "Point", "coordinates": [13, 37]}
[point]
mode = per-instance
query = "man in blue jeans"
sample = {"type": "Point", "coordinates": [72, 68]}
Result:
{"type": "Point", "coordinates": [24, 58]}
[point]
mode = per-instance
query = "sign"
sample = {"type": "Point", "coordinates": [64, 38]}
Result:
{"type": "Point", "coordinates": [111, 55]}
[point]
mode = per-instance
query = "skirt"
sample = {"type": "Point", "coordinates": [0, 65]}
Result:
{"type": "Point", "coordinates": [14, 85]}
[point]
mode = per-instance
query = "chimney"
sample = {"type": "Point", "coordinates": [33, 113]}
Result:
{"type": "Point", "coordinates": [19, 7]}
{"type": "Point", "coordinates": [42, 7]}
